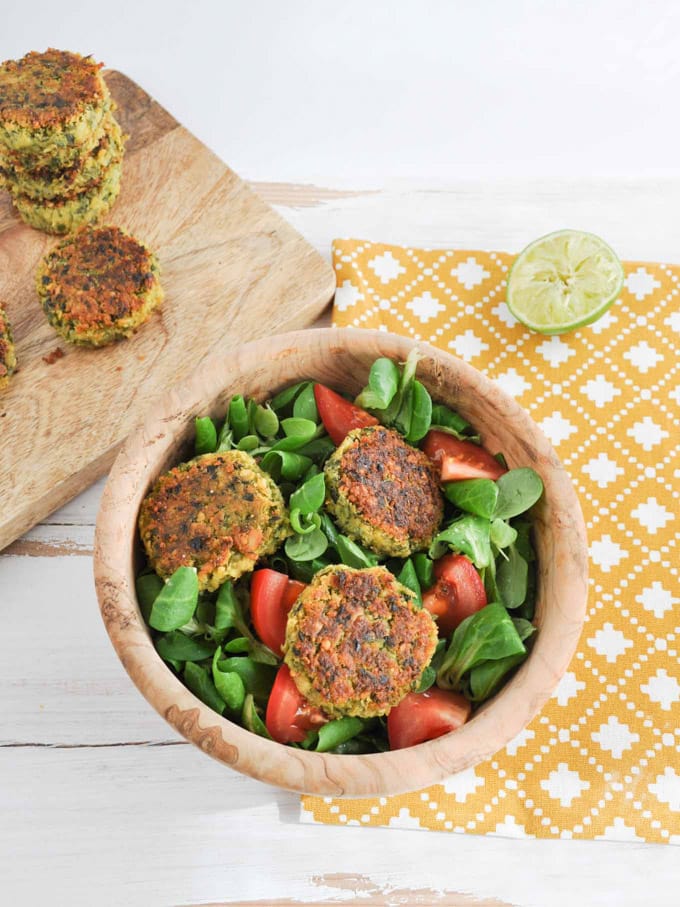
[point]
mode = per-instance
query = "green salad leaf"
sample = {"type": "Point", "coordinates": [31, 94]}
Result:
{"type": "Point", "coordinates": [177, 646]}
{"type": "Point", "coordinates": [354, 555]}
{"type": "Point", "coordinates": [309, 497]}
{"type": "Point", "coordinates": [487, 676]}
{"type": "Point", "coordinates": [469, 535]}
{"type": "Point", "coordinates": [334, 733]}
{"type": "Point", "coordinates": [305, 405]}
{"type": "Point", "coordinates": [147, 586]}
{"type": "Point", "coordinates": [424, 567]}
{"type": "Point", "coordinates": [502, 534]}
{"type": "Point", "coordinates": [409, 578]}
{"type": "Point", "coordinates": [518, 490]}
{"type": "Point", "coordinates": [287, 465]}
{"type": "Point", "coordinates": [421, 413]}
{"type": "Point", "coordinates": [175, 604]}
{"type": "Point", "coordinates": [196, 678]}
{"type": "Point", "coordinates": [306, 547]}
{"type": "Point", "coordinates": [447, 419]}
{"type": "Point", "coordinates": [511, 578]}
{"type": "Point", "coordinates": [206, 435]}
{"type": "Point", "coordinates": [251, 719]}
{"type": "Point", "coordinates": [238, 417]}
{"type": "Point", "coordinates": [476, 496]}
{"type": "Point", "coordinates": [229, 685]}
{"type": "Point", "coordinates": [485, 636]}
{"type": "Point", "coordinates": [383, 383]}
{"type": "Point", "coordinates": [266, 422]}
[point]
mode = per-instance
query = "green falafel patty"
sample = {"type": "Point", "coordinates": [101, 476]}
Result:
{"type": "Point", "coordinates": [357, 641]}
{"type": "Point", "coordinates": [65, 182]}
{"type": "Point", "coordinates": [65, 215]}
{"type": "Point", "coordinates": [8, 359]}
{"type": "Point", "coordinates": [51, 100]}
{"type": "Point", "coordinates": [98, 286]}
{"type": "Point", "coordinates": [55, 160]}
{"type": "Point", "coordinates": [383, 492]}
{"type": "Point", "coordinates": [219, 513]}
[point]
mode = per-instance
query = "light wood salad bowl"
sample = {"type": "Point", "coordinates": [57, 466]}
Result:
{"type": "Point", "coordinates": [341, 359]}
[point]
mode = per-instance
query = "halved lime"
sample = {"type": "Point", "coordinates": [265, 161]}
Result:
{"type": "Point", "coordinates": [563, 281]}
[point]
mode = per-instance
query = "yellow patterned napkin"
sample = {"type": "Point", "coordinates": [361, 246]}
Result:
{"type": "Point", "coordinates": [602, 759]}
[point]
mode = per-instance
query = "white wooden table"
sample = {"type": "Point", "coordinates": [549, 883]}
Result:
{"type": "Point", "coordinates": [100, 802]}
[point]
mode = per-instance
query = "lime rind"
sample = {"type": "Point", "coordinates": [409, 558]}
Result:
{"type": "Point", "coordinates": [563, 281]}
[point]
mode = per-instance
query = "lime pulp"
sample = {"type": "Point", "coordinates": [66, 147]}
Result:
{"type": "Point", "coordinates": [563, 281]}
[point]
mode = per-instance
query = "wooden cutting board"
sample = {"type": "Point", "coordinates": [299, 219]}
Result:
{"type": "Point", "coordinates": [232, 270]}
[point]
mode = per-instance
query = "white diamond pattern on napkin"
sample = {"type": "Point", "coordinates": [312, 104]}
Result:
{"type": "Point", "coordinates": [564, 785]}
{"type": "Point", "coordinates": [609, 642]}
{"type": "Point", "coordinates": [666, 788]}
{"type": "Point", "coordinates": [647, 433]}
{"type": "Point", "coordinates": [386, 267]}
{"type": "Point", "coordinates": [568, 687]}
{"type": "Point", "coordinates": [425, 307]}
{"type": "Point", "coordinates": [643, 356]}
{"type": "Point", "coordinates": [657, 599]}
{"type": "Point", "coordinates": [347, 295]}
{"type": "Point", "coordinates": [463, 784]}
{"type": "Point", "coordinates": [602, 470]}
{"type": "Point", "coordinates": [662, 688]}
{"type": "Point", "coordinates": [468, 345]}
{"type": "Point", "coordinates": [615, 737]}
{"type": "Point", "coordinates": [555, 351]}
{"type": "Point", "coordinates": [641, 283]}
{"type": "Point", "coordinates": [470, 273]}
{"type": "Point", "coordinates": [503, 313]}
{"type": "Point", "coordinates": [557, 428]}
{"type": "Point", "coordinates": [607, 553]}
{"type": "Point", "coordinates": [600, 391]}
{"type": "Point", "coordinates": [652, 515]}
{"type": "Point", "coordinates": [512, 383]}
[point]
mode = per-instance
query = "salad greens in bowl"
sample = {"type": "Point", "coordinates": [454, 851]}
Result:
{"type": "Point", "coordinates": [342, 562]}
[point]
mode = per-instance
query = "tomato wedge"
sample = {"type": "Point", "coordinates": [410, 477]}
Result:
{"type": "Point", "coordinates": [424, 716]}
{"type": "Point", "coordinates": [289, 716]}
{"type": "Point", "coordinates": [458, 592]}
{"type": "Point", "coordinates": [338, 415]}
{"type": "Point", "coordinates": [272, 595]}
{"type": "Point", "coordinates": [458, 459]}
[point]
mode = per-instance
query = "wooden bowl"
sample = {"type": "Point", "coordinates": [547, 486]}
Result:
{"type": "Point", "coordinates": [341, 359]}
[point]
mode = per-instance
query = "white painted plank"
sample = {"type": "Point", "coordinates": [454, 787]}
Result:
{"type": "Point", "coordinates": [61, 680]}
{"type": "Point", "coordinates": [81, 511]}
{"type": "Point", "coordinates": [636, 217]}
{"type": "Point", "coordinates": [166, 825]}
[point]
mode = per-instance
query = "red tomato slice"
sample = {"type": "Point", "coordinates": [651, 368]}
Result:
{"type": "Point", "coordinates": [458, 592]}
{"type": "Point", "coordinates": [272, 595]}
{"type": "Point", "coordinates": [338, 415]}
{"type": "Point", "coordinates": [460, 459]}
{"type": "Point", "coordinates": [424, 716]}
{"type": "Point", "coordinates": [289, 716]}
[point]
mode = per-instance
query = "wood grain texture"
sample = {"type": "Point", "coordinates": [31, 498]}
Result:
{"type": "Point", "coordinates": [232, 270]}
{"type": "Point", "coordinates": [342, 359]}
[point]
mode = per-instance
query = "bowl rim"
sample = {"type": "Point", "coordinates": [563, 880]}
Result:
{"type": "Point", "coordinates": [380, 774]}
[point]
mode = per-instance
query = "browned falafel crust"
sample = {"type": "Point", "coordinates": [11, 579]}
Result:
{"type": "Point", "coordinates": [98, 285]}
{"type": "Point", "coordinates": [394, 502]}
{"type": "Point", "coordinates": [7, 355]}
{"type": "Point", "coordinates": [357, 641]}
{"type": "Point", "coordinates": [218, 513]}
{"type": "Point", "coordinates": [66, 181]}
{"type": "Point", "coordinates": [44, 90]}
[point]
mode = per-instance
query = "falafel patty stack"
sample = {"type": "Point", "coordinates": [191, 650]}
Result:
{"type": "Point", "coordinates": [61, 148]}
